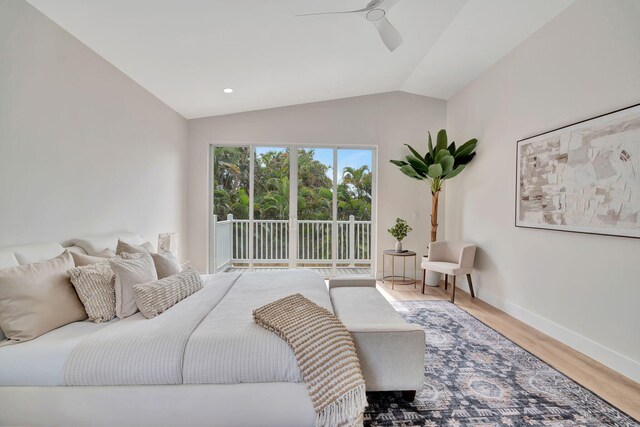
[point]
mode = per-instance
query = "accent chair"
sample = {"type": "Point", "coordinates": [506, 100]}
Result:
{"type": "Point", "coordinates": [451, 259]}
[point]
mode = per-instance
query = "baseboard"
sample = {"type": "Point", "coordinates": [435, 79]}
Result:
{"type": "Point", "coordinates": [608, 357]}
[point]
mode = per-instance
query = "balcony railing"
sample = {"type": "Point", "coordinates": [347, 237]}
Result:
{"type": "Point", "coordinates": [230, 240]}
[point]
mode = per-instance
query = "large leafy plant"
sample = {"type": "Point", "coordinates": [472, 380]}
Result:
{"type": "Point", "coordinates": [441, 162]}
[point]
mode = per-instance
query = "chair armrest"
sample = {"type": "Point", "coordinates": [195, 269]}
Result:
{"type": "Point", "coordinates": [347, 282]}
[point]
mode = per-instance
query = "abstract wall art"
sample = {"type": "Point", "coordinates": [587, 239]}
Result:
{"type": "Point", "coordinates": [584, 177]}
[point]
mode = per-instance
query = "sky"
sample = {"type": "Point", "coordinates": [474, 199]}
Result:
{"type": "Point", "coordinates": [346, 157]}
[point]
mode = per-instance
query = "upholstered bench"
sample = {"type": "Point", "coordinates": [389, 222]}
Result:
{"type": "Point", "coordinates": [391, 351]}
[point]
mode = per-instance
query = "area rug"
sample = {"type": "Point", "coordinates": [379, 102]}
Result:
{"type": "Point", "coordinates": [474, 376]}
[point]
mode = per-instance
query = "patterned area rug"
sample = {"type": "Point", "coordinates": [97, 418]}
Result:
{"type": "Point", "coordinates": [474, 376]}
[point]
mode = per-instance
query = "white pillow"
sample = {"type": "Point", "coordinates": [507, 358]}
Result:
{"type": "Point", "coordinates": [76, 249]}
{"type": "Point", "coordinates": [128, 273]}
{"type": "Point", "coordinates": [96, 244]}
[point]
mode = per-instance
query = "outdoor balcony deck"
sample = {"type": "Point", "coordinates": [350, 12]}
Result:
{"type": "Point", "coordinates": [230, 249]}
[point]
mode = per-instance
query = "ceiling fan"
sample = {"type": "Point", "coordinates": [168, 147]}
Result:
{"type": "Point", "coordinates": [375, 12]}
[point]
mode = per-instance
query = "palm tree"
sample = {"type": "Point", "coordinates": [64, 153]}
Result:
{"type": "Point", "coordinates": [360, 179]}
{"type": "Point", "coordinates": [277, 200]}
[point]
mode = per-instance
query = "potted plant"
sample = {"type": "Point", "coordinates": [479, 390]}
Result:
{"type": "Point", "coordinates": [441, 162]}
{"type": "Point", "coordinates": [400, 231]}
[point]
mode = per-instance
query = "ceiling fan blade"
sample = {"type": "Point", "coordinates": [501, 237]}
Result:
{"type": "Point", "coordinates": [390, 36]}
{"type": "Point", "coordinates": [366, 9]}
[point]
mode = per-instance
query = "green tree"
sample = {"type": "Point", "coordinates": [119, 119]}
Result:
{"type": "Point", "coordinates": [271, 195]}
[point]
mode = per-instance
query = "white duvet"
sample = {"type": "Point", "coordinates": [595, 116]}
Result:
{"type": "Point", "coordinates": [209, 338]}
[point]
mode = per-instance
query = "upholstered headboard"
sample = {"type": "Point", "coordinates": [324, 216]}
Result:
{"type": "Point", "coordinates": [19, 255]}
{"type": "Point", "coordinates": [27, 254]}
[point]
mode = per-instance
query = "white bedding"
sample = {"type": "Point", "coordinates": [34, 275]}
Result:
{"type": "Point", "coordinates": [223, 345]}
{"type": "Point", "coordinates": [139, 351]}
{"type": "Point", "coordinates": [41, 361]}
{"type": "Point", "coordinates": [229, 348]}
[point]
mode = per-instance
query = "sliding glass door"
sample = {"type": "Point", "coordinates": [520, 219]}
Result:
{"type": "Point", "coordinates": [271, 194]}
{"type": "Point", "coordinates": [303, 207]}
{"type": "Point", "coordinates": [315, 213]}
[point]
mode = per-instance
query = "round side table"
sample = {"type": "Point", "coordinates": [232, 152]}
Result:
{"type": "Point", "coordinates": [399, 280]}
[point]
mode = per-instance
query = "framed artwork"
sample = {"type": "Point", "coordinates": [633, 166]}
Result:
{"type": "Point", "coordinates": [583, 177]}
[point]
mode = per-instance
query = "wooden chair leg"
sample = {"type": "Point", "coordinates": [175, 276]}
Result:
{"type": "Point", "coordinates": [424, 279]}
{"type": "Point", "coordinates": [473, 295]}
{"type": "Point", "coordinates": [453, 289]}
{"type": "Point", "coordinates": [446, 281]}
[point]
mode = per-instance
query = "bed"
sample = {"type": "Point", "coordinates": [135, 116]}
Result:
{"type": "Point", "coordinates": [204, 361]}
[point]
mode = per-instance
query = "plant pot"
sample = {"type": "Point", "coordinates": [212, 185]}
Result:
{"type": "Point", "coordinates": [432, 278]}
{"type": "Point", "coordinates": [398, 246]}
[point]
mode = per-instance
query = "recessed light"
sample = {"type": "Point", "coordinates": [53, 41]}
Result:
{"type": "Point", "coordinates": [228, 90]}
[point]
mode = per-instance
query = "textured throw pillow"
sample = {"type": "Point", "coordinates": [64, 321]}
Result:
{"type": "Point", "coordinates": [130, 272]}
{"type": "Point", "coordinates": [156, 297]}
{"type": "Point", "coordinates": [95, 284]}
{"type": "Point", "coordinates": [145, 248]}
{"type": "Point", "coordinates": [37, 298]}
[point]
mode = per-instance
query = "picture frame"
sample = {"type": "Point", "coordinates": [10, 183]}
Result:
{"type": "Point", "coordinates": [583, 177]}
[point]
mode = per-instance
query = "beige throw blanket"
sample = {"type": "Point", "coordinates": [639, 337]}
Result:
{"type": "Point", "coordinates": [325, 354]}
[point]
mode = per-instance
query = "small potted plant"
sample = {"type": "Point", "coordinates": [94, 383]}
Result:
{"type": "Point", "coordinates": [400, 231]}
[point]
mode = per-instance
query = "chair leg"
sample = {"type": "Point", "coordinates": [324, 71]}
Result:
{"type": "Point", "coordinates": [453, 289]}
{"type": "Point", "coordinates": [424, 279]}
{"type": "Point", "coordinates": [473, 295]}
{"type": "Point", "coordinates": [446, 281]}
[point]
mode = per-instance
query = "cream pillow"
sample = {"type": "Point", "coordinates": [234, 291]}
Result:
{"type": "Point", "coordinates": [166, 264]}
{"type": "Point", "coordinates": [37, 298]}
{"type": "Point", "coordinates": [130, 272]}
{"type": "Point", "coordinates": [145, 248]}
{"type": "Point", "coordinates": [83, 259]}
{"type": "Point", "coordinates": [156, 297]}
{"type": "Point", "coordinates": [95, 284]}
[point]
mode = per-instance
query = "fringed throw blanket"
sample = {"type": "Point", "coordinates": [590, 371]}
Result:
{"type": "Point", "coordinates": [325, 354]}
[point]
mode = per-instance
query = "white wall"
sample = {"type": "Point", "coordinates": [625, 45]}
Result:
{"type": "Point", "coordinates": [582, 289]}
{"type": "Point", "coordinates": [83, 148]}
{"type": "Point", "coordinates": [386, 120]}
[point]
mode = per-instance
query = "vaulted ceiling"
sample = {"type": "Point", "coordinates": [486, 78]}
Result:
{"type": "Point", "coordinates": [186, 52]}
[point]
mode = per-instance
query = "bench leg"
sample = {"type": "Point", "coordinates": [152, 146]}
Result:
{"type": "Point", "coordinates": [446, 281]}
{"type": "Point", "coordinates": [453, 289]}
{"type": "Point", "coordinates": [424, 279]}
{"type": "Point", "coordinates": [409, 395]}
{"type": "Point", "coordinates": [473, 295]}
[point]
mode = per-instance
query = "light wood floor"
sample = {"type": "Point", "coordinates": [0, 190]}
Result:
{"type": "Point", "coordinates": [616, 389]}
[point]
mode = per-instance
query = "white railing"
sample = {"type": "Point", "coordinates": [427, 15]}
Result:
{"type": "Point", "coordinates": [222, 242]}
{"type": "Point", "coordinates": [271, 241]}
